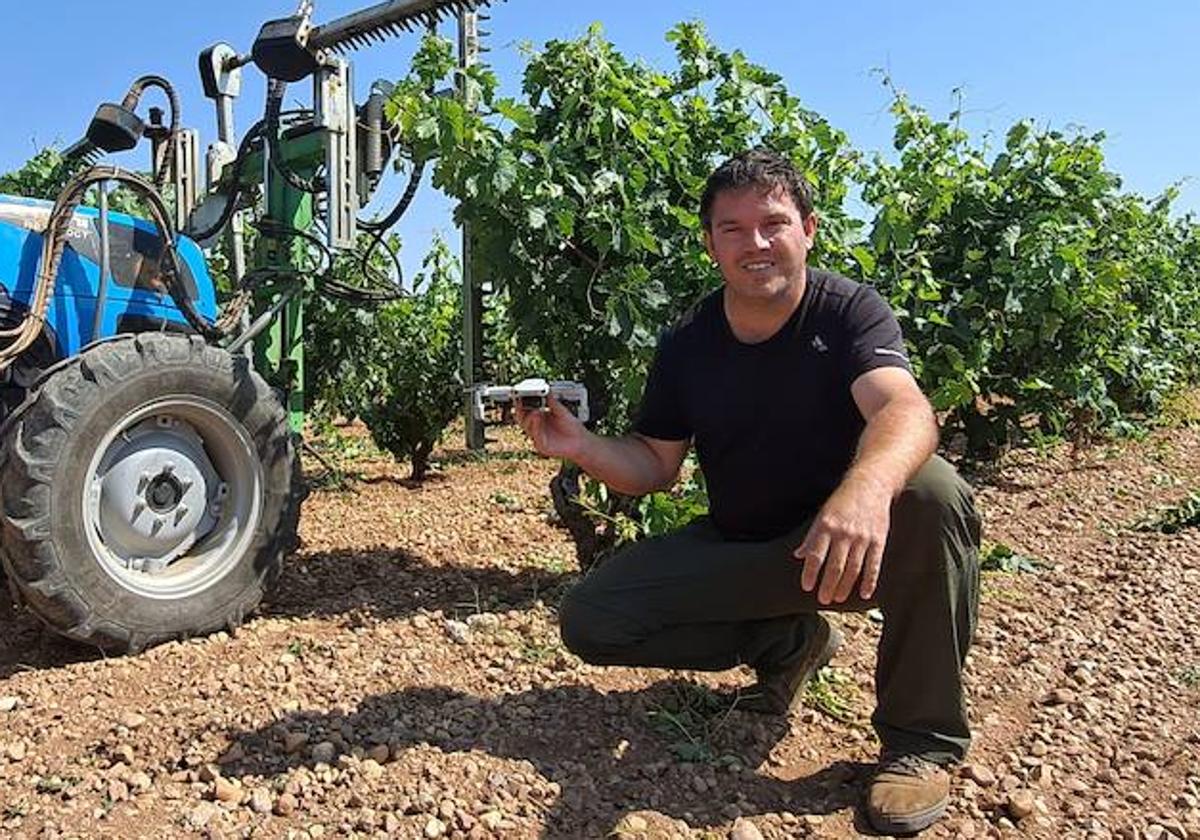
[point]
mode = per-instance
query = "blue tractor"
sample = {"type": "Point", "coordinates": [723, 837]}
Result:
{"type": "Point", "coordinates": [150, 481]}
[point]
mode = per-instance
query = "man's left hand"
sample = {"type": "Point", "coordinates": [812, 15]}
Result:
{"type": "Point", "coordinates": [845, 542]}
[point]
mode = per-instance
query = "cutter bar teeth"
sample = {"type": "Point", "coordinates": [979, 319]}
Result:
{"type": "Point", "coordinates": [384, 19]}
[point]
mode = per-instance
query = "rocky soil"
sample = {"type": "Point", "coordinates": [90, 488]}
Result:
{"type": "Point", "coordinates": [407, 680]}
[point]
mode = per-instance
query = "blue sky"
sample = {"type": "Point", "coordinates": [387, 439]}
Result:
{"type": "Point", "coordinates": [1102, 65]}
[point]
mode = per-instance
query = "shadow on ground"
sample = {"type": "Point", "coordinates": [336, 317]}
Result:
{"type": "Point", "coordinates": [381, 583]}
{"type": "Point", "coordinates": [386, 582]}
{"type": "Point", "coordinates": [27, 645]}
{"type": "Point", "coordinates": [608, 752]}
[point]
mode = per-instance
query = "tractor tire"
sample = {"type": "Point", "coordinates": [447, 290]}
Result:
{"type": "Point", "coordinates": [149, 490]}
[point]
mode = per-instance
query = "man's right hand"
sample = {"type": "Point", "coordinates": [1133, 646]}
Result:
{"type": "Point", "coordinates": [554, 430]}
{"type": "Point", "coordinates": [633, 465]}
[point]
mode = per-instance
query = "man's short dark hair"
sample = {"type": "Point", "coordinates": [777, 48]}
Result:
{"type": "Point", "coordinates": [761, 168]}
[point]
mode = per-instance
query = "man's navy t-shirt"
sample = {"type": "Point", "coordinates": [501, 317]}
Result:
{"type": "Point", "coordinates": [774, 423]}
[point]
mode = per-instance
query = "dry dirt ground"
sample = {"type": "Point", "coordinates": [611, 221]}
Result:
{"type": "Point", "coordinates": [407, 680]}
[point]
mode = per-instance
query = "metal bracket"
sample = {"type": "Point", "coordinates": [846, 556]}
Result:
{"type": "Point", "coordinates": [221, 71]}
{"type": "Point", "coordinates": [221, 76]}
{"type": "Point", "coordinates": [333, 95]}
{"type": "Point", "coordinates": [185, 162]}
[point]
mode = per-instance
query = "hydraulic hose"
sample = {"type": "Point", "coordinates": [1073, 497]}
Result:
{"type": "Point", "coordinates": [275, 91]}
{"type": "Point", "coordinates": [386, 222]}
{"type": "Point", "coordinates": [54, 242]}
{"type": "Point", "coordinates": [134, 95]}
{"type": "Point", "coordinates": [323, 277]}
{"type": "Point", "coordinates": [236, 186]}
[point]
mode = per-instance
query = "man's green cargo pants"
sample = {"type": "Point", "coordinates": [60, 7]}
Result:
{"type": "Point", "coordinates": [693, 600]}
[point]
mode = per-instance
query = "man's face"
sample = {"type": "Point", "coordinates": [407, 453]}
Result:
{"type": "Point", "coordinates": [760, 242]}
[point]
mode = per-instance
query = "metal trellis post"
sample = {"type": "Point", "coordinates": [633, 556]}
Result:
{"type": "Point", "coordinates": [468, 54]}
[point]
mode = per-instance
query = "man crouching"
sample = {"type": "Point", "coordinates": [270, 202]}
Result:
{"type": "Point", "coordinates": [817, 446]}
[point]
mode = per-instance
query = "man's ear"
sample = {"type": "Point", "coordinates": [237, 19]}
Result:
{"type": "Point", "coordinates": [810, 227]}
{"type": "Point", "coordinates": [708, 244]}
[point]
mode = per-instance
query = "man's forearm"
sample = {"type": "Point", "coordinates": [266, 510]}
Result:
{"type": "Point", "coordinates": [896, 442]}
{"type": "Point", "coordinates": [626, 464]}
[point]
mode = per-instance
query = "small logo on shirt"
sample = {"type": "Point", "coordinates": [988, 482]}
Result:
{"type": "Point", "coordinates": [887, 351]}
{"type": "Point", "coordinates": [819, 344]}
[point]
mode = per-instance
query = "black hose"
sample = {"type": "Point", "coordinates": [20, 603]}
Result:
{"type": "Point", "coordinates": [323, 278]}
{"type": "Point", "coordinates": [386, 222]}
{"type": "Point", "coordinates": [278, 230]}
{"type": "Point", "coordinates": [378, 227]}
{"type": "Point", "coordinates": [379, 242]}
{"type": "Point", "coordinates": [72, 195]}
{"type": "Point", "coordinates": [236, 186]}
{"type": "Point", "coordinates": [234, 191]}
{"type": "Point", "coordinates": [275, 91]}
{"type": "Point", "coordinates": [130, 102]}
{"type": "Point", "coordinates": [83, 153]}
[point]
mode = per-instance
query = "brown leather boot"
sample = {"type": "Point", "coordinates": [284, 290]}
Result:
{"type": "Point", "coordinates": [908, 794]}
{"type": "Point", "coordinates": [781, 689]}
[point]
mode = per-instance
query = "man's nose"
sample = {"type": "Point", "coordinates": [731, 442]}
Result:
{"type": "Point", "coordinates": [760, 240]}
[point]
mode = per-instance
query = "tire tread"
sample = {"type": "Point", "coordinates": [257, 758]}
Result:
{"type": "Point", "coordinates": [28, 457]}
